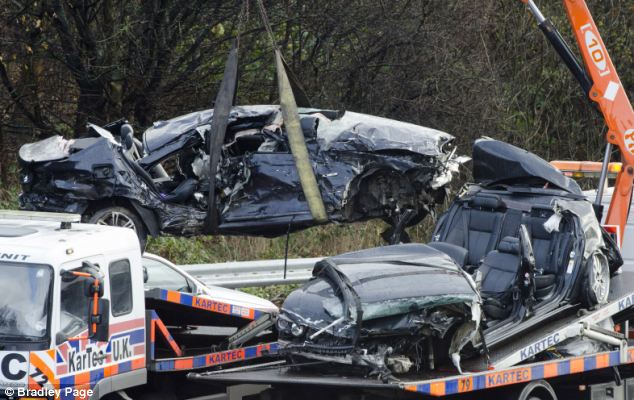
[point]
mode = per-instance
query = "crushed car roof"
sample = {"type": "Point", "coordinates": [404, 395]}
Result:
{"type": "Point", "coordinates": [496, 162]}
{"type": "Point", "coordinates": [376, 133]}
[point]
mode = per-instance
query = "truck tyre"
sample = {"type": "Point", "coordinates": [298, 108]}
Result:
{"type": "Point", "coordinates": [120, 216]}
{"type": "Point", "coordinates": [596, 284]}
{"type": "Point", "coordinates": [537, 390]}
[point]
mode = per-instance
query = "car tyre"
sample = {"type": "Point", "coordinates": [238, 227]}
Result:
{"type": "Point", "coordinates": [123, 217]}
{"type": "Point", "coordinates": [596, 284]}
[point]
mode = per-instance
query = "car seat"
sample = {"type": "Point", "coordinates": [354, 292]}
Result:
{"type": "Point", "coordinates": [476, 227]}
{"type": "Point", "coordinates": [500, 270]}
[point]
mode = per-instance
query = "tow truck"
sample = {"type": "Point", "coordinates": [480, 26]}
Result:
{"type": "Point", "coordinates": [509, 370]}
{"type": "Point", "coordinates": [84, 316]}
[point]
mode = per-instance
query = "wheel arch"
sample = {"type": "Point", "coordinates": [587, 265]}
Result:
{"type": "Point", "coordinates": [148, 217]}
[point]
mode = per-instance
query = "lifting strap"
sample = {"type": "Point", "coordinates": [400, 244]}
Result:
{"type": "Point", "coordinates": [219, 120]}
{"type": "Point", "coordinates": [296, 140]}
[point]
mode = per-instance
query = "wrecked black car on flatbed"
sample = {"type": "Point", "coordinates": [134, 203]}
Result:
{"type": "Point", "coordinates": [366, 167]}
{"type": "Point", "coordinates": [519, 247]}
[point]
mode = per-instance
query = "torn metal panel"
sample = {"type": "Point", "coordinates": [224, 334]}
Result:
{"type": "Point", "coordinates": [368, 133]}
{"type": "Point", "coordinates": [588, 221]}
{"type": "Point", "coordinates": [53, 148]}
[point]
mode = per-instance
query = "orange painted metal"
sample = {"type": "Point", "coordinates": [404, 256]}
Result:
{"type": "Point", "coordinates": [168, 337]}
{"type": "Point", "coordinates": [609, 94]}
{"type": "Point", "coordinates": [585, 166]}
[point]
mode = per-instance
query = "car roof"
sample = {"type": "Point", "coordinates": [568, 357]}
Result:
{"type": "Point", "coordinates": [381, 133]}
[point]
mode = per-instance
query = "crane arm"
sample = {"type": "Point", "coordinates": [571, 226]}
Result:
{"type": "Point", "coordinates": [607, 92]}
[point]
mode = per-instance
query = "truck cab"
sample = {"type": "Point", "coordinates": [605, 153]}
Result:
{"type": "Point", "coordinates": [45, 310]}
{"type": "Point", "coordinates": [77, 322]}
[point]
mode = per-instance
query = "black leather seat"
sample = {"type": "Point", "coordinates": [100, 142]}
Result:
{"type": "Point", "coordinates": [476, 227]}
{"type": "Point", "coordinates": [182, 192]}
{"type": "Point", "coordinates": [500, 270]}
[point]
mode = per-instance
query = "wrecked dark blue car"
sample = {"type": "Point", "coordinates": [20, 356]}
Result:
{"type": "Point", "coordinates": [366, 167]}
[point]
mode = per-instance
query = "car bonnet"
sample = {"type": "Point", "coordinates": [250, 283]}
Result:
{"type": "Point", "coordinates": [388, 280]}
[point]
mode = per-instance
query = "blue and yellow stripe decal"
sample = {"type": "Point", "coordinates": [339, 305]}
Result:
{"type": "Point", "coordinates": [203, 303]}
{"type": "Point", "coordinates": [510, 376]}
{"type": "Point", "coordinates": [214, 359]}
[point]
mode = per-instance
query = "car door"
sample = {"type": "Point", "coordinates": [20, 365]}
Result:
{"type": "Point", "coordinates": [266, 199]}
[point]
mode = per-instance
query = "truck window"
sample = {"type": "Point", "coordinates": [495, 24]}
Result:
{"type": "Point", "coordinates": [120, 288]}
{"type": "Point", "coordinates": [24, 301]}
{"type": "Point", "coordinates": [75, 307]}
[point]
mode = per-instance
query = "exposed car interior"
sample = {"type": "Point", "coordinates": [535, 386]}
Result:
{"type": "Point", "coordinates": [482, 233]}
{"type": "Point", "coordinates": [181, 173]}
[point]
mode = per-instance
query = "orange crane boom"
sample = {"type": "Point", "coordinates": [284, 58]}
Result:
{"type": "Point", "coordinates": [603, 87]}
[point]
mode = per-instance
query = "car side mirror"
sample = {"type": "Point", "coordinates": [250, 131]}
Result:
{"type": "Point", "coordinates": [146, 277]}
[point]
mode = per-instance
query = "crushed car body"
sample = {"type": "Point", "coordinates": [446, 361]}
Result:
{"type": "Point", "coordinates": [518, 247]}
{"type": "Point", "coordinates": [366, 167]}
{"type": "Point", "coordinates": [375, 308]}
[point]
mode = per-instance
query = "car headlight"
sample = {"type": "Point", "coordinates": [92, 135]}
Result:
{"type": "Point", "coordinates": [283, 325]}
{"type": "Point", "coordinates": [297, 330]}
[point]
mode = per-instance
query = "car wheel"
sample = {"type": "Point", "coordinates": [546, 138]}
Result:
{"type": "Point", "coordinates": [596, 286]}
{"type": "Point", "coordinates": [120, 216]}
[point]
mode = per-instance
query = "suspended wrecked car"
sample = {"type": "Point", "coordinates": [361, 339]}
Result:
{"type": "Point", "coordinates": [517, 248]}
{"type": "Point", "coordinates": [366, 167]}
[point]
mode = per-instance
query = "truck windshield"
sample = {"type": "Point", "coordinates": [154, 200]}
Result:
{"type": "Point", "coordinates": [24, 300]}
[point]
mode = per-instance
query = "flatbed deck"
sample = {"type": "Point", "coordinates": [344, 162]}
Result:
{"type": "Point", "coordinates": [216, 319]}
{"type": "Point", "coordinates": [509, 363]}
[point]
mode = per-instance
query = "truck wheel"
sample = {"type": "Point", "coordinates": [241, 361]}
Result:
{"type": "Point", "coordinates": [596, 285]}
{"type": "Point", "coordinates": [120, 216]}
{"type": "Point", "coordinates": [537, 390]}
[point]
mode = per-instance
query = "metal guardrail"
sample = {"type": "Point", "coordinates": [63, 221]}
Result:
{"type": "Point", "coordinates": [238, 274]}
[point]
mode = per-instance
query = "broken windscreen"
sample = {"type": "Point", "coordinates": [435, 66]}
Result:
{"type": "Point", "coordinates": [24, 303]}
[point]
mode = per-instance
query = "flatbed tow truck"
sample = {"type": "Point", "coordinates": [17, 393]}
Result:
{"type": "Point", "coordinates": [509, 370]}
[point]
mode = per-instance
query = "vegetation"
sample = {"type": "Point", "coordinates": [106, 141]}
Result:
{"type": "Point", "coordinates": [468, 68]}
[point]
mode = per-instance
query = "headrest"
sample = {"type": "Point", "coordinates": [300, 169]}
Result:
{"type": "Point", "coordinates": [127, 136]}
{"type": "Point", "coordinates": [309, 126]}
{"type": "Point", "coordinates": [488, 202]}
{"type": "Point", "coordinates": [537, 228]}
{"type": "Point", "coordinates": [510, 245]}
